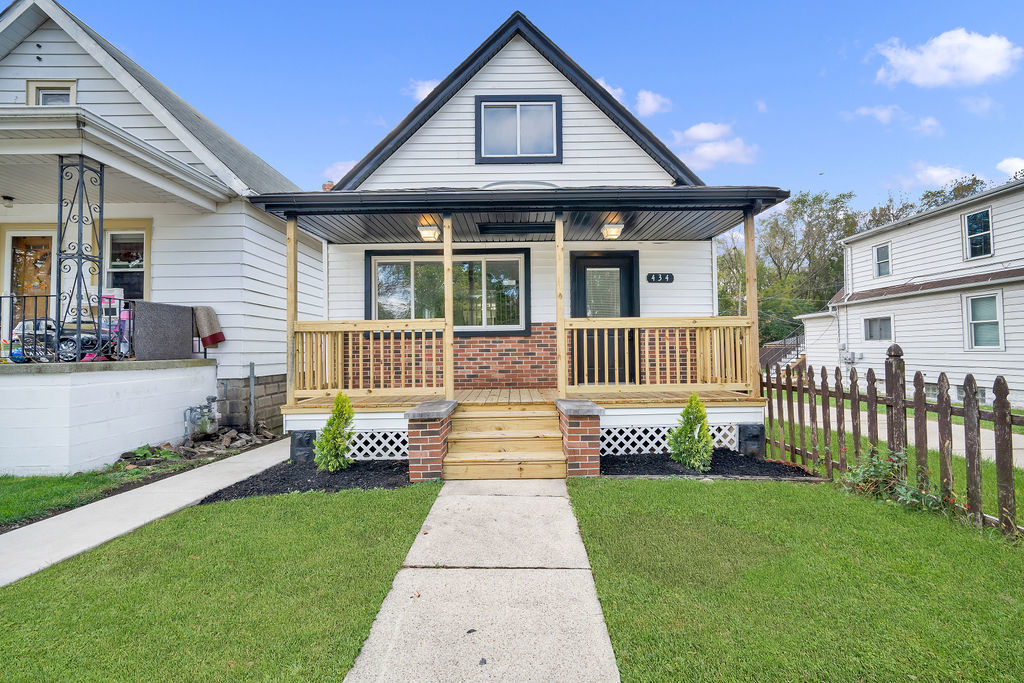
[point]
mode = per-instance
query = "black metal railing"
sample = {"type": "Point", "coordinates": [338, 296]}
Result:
{"type": "Point", "coordinates": [781, 351]}
{"type": "Point", "coordinates": [31, 332]}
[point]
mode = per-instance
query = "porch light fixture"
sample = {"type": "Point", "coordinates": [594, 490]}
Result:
{"type": "Point", "coordinates": [429, 233]}
{"type": "Point", "coordinates": [611, 231]}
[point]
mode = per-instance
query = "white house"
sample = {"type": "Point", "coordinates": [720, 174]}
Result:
{"type": "Point", "coordinates": [947, 285]}
{"type": "Point", "coordinates": [167, 220]}
{"type": "Point", "coordinates": [519, 239]}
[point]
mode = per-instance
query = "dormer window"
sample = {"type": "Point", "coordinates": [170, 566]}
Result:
{"type": "Point", "coordinates": [50, 93]}
{"type": "Point", "coordinates": [518, 129]}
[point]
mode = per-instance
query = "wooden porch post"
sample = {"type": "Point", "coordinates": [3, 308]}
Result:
{"type": "Point", "coordinates": [291, 303]}
{"type": "Point", "coordinates": [449, 311]}
{"type": "Point", "coordinates": [560, 301]}
{"type": "Point", "coordinates": [753, 348]}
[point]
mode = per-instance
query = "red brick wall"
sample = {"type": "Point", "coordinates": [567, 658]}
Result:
{"type": "Point", "coordinates": [581, 443]}
{"type": "Point", "coordinates": [507, 361]}
{"type": "Point", "coordinates": [428, 446]}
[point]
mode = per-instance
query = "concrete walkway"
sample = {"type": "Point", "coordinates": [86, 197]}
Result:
{"type": "Point", "coordinates": [36, 546]}
{"type": "Point", "coordinates": [497, 586]}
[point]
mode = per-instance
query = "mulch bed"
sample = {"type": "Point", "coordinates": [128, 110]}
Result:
{"type": "Point", "coordinates": [724, 463]}
{"type": "Point", "coordinates": [292, 477]}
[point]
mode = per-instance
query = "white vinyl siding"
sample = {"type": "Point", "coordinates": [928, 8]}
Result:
{"type": "Point", "coordinates": [933, 249]}
{"type": "Point", "coordinates": [442, 153]}
{"type": "Point", "coordinates": [96, 89]}
{"type": "Point", "coordinates": [821, 342]}
{"type": "Point", "coordinates": [691, 294]}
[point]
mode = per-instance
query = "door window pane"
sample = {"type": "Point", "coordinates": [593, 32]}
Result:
{"type": "Point", "coordinates": [468, 292]}
{"type": "Point", "coordinates": [536, 129]}
{"type": "Point", "coordinates": [503, 292]}
{"type": "Point", "coordinates": [394, 293]}
{"type": "Point", "coordinates": [603, 292]}
{"type": "Point", "coordinates": [31, 270]}
{"type": "Point", "coordinates": [429, 289]}
{"type": "Point", "coordinates": [499, 130]}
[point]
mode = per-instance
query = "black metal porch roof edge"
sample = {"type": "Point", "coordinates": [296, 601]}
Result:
{"type": "Point", "coordinates": [741, 198]}
{"type": "Point", "coordinates": [518, 24]}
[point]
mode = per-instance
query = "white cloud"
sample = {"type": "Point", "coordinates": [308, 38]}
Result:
{"type": "Point", "coordinates": [928, 125]}
{"type": "Point", "coordinates": [617, 92]}
{"type": "Point", "coordinates": [957, 57]}
{"type": "Point", "coordinates": [761, 105]}
{"type": "Point", "coordinates": [420, 89]}
{"type": "Point", "coordinates": [1010, 165]}
{"type": "Point", "coordinates": [883, 113]}
{"type": "Point", "coordinates": [708, 154]}
{"type": "Point", "coordinates": [337, 170]}
{"type": "Point", "coordinates": [929, 175]}
{"type": "Point", "coordinates": [980, 105]}
{"type": "Point", "coordinates": [701, 132]}
{"type": "Point", "coordinates": [649, 103]}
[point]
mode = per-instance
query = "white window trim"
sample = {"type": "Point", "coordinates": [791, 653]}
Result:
{"type": "Point", "coordinates": [519, 152]}
{"type": "Point", "coordinates": [965, 302]}
{"type": "Point", "coordinates": [991, 234]}
{"type": "Point", "coordinates": [483, 258]}
{"type": "Point", "coordinates": [874, 258]}
{"type": "Point", "coordinates": [33, 87]}
{"type": "Point", "coordinates": [892, 328]}
{"type": "Point", "coordinates": [108, 254]}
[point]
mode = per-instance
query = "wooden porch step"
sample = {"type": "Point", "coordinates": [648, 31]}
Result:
{"type": "Point", "coordinates": [516, 408]}
{"type": "Point", "coordinates": [504, 443]}
{"type": "Point", "coordinates": [465, 425]}
{"type": "Point", "coordinates": [505, 466]}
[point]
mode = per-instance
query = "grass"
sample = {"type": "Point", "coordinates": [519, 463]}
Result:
{"type": "Point", "coordinates": [989, 490]}
{"type": "Point", "coordinates": [270, 587]}
{"type": "Point", "coordinates": [778, 581]}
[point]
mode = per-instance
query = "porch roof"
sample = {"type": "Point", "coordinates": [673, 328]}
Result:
{"type": "Point", "coordinates": [648, 213]}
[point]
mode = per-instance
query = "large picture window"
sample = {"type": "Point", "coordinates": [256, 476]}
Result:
{"type": "Point", "coordinates": [518, 129]}
{"type": "Point", "coordinates": [488, 289]}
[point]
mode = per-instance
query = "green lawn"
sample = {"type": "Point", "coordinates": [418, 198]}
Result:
{"type": "Point", "coordinates": [989, 490]}
{"type": "Point", "coordinates": [272, 587]}
{"type": "Point", "coordinates": [779, 581]}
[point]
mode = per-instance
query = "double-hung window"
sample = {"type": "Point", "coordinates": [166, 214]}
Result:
{"type": "Point", "coordinates": [984, 321]}
{"type": "Point", "coordinates": [977, 234]}
{"type": "Point", "coordinates": [883, 259]}
{"type": "Point", "coordinates": [518, 129]}
{"type": "Point", "coordinates": [878, 329]}
{"type": "Point", "coordinates": [488, 290]}
{"type": "Point", "coordinates": [126, 263]}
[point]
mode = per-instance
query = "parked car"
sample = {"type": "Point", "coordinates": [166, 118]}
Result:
{"type": "Point", "coordinates": [37, 340]}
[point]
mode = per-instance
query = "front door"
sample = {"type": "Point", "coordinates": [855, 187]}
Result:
{"type": "Point", "coordinates": [604, 285]}
{"type": "Point", "coordinates": [29, 275]}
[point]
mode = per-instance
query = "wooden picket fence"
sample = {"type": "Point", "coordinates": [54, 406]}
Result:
{"type": "Point", "coordinates": [792, 406]}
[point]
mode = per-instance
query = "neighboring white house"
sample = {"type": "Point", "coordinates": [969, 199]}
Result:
{"type": "Point", "coordinates": [178, 228]}
{"type": "Point", "coordinates": [947, 285]}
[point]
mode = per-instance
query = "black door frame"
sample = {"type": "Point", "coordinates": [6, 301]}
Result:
{"type": "Point", "coordinates": [629, 300]}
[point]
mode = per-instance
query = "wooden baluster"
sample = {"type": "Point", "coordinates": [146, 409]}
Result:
{"type": "Point", "coordinates": [945, 411]}
{"type": "Point", "coordinates": [1003, 432]}
{"type": "Point", "coordinates": [586, 359]}
{"type": "Point", "coordinates": [768, 386]}
{"type": "Point", "coordinates": [972, 448]}
{"type": "Point", "coordinates": [790, 417]}
{"type": "Point", "coordinates": [920, 431]}
{"type": "Point", "coordinates": [800, 388]}
{"type": "Point", "coordinates": [872, 411]}
{"type": "Point", "coordinates": [636, 356]}
{"type": "Point", "coordinates": [615, 355]}
{"type": "Point", "coordinates": [606, 364]}
{"type": "Point", "coordinates": [840, 420]}
{"type": "Point", "coordinates": [826, 423]}
{"type": "Point", "coordinates": [855, 413]}
{"type": "Point", "coordinates": [813, 400]}
{"type": "Point", "coordinates": [783, 447]}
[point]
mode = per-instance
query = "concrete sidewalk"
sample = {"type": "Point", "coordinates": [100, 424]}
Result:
{"type": "Point", "coordinates": [37, 546]}
{"type": "Point", "coordinates": [497, 586]}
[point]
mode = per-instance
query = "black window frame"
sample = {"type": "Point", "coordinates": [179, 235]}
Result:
{"type": "Point", "coordinates": [368, 282]}
{"type": "Point", "coordinates": [478, 103]}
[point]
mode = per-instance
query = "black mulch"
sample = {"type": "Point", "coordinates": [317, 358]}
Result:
{"type": "Point", "coordinates": [724, 462]}
{"type": "Point", "coordinates": [291, 477]}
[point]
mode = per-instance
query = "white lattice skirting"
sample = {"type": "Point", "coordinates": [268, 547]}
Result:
{"type": "Point", "coordinates": [653, 439]}
{"type": "Point", "coordinates": [380, 445]}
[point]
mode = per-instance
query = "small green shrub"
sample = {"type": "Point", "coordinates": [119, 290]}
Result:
{"type": "Point", "coordinates": [883, 475]}
{"type": "Point", "coordinates": [690, 442]}
{"type": "Point", "coordinates": [330, 449]}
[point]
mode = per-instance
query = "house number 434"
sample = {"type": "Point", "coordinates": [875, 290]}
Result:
{"type": "Point", "coordinates": [661, 277]}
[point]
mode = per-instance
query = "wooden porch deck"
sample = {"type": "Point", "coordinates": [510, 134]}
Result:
{"type": "Point", "coordinates": [512, 397]}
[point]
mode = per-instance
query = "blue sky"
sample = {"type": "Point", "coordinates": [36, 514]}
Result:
{"type": "Point", "coordinates": [869, 97]}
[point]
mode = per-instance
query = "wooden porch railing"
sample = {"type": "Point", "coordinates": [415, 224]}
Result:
{"type": "Point", "coordinates": [363, 357]}
{"type": "Point", "coordinates": [651, 354]}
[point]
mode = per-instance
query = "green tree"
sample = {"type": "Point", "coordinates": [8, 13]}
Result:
{"type": "Point", "coordinates": [961, 188]}
{"type": "Point", "coordinates": [330, 449]}
{"type": "Point", "coordinates": [894, 209]}
{"type": "Point", "coordinates": [690, 441]}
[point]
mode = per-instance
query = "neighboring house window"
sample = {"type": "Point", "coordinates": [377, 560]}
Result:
{"type": "Point", "coordinates": [488, 291]}
{"type": "Point", "coordinates": [883, 262]}
{"type": "Point", "coordinates": [126, 263]}
{"type": "Point", "coordinates": [518, 129]}
{"type": "Point", "coordinates": [978, 234]}
{"type": "Point", "coordinates": [984, 321]}
{"type": "Point", "coordinates": [51, 93]}
{"type": "Point", "coordinates": [878, 329]}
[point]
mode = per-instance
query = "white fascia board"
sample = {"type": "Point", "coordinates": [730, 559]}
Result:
{"type": "Point", "coordinates": [107, 61]}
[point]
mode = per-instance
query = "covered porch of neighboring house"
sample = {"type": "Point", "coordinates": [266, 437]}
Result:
{"type": "Point", "coordinates": [544, 399]}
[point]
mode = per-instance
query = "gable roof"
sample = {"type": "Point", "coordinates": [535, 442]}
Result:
{"type": "Point", "coordinates": [519, 25]}
{"type": "Point", "coordinates": [250, 169]}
